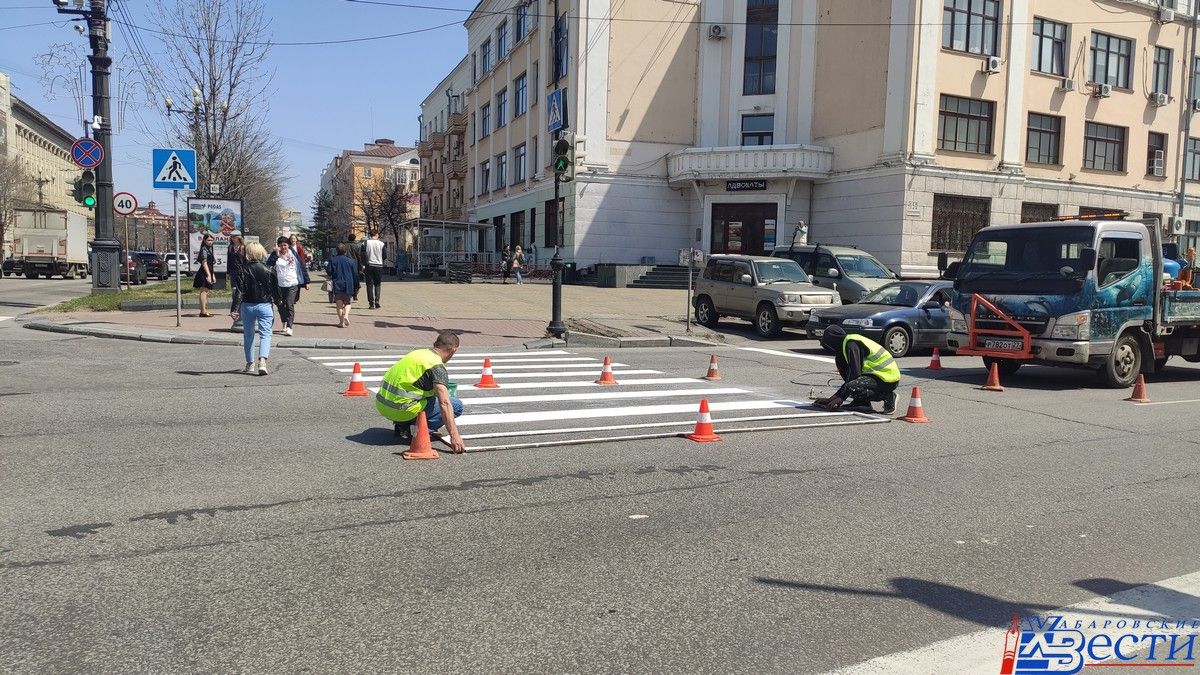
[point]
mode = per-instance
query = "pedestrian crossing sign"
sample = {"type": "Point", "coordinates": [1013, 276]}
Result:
{"type": "Point", "coordinates": [174, 168]}
{"type": "Point", "coordinates": [554, 110]}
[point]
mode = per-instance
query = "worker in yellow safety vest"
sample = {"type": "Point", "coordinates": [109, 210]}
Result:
{"type": "Point", "coordinates": [868, 370]}
{"type": "Point", "coordinates": [417, 382]}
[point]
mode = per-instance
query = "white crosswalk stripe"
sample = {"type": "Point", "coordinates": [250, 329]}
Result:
{"type": "Point", "coordinates": [5, 318]}
{"type": "Point", "coordinates": [551, 398]}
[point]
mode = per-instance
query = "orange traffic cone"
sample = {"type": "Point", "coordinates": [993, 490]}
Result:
{"type": "Point", "coordinates": [487, 381]}
{"type": "Point", "coordinates": [606, 374]}
{"type": "Point", "coordinates": [916, 411]}
{"type": "Point", "coordinates": [712, 369]}
{"type": "Point", "coordinates": [936, 362]}
{"type": "Point", "coordinates": [356, 388]}
{"type": "Point", "coordinates": [1139, 391]}
{"type": "Point", "coordinates": [421, 448]}
{"type": "Point", "coordinates": [993, 381]}
{"type": "Point", "coordinates": [704, 428]}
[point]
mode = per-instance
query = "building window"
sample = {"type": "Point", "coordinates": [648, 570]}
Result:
{"type": "Point", "coordinates": [1195, 88]}
{"type": "Point", "coordinates": [1162, 71]}
{"type": "Point", "coordinates": [957, 219]}
{"type": "Point", "coordinates": [502, 108]}
{"type": "Point", "coordinates": [758, 130]}
{"type": "Point", "coordinates": [485, 120]}
{"type": "Point", "coordinates": [1191, 160]}
{"type": "Point", "coordinates": [965, 125]}
{"type": "Point", "coordinates": [1050, 47]}
{"type": "Point", "coordinates": [520, 95]}
{"type": "Point", "coordinates": [485, 176]}
{"type": "Point", "coordinates": [502, 40]}
{"type": "Point", "coordinates": [971, 26]}
{"type": "Point", "coordinates": [1044, 140]}
{"type": "Point", "coordinates": [485, 56]}
{"type": "Point", "coordinates": [1111, 57]}
{"type": "Point", "coordinates": [762, 36]}
{"type": "Point", "coordinates": [1191, 235]}
{"type": "Point", "coordinates": [1033, 212]}
{"type": "Point", "coordinates": [559, 43]}
{"type": "Point", "coordinates": [366, 172]}
{"type": "Point", "coordinates": [522, 22]}
{"type": "Point", "coordinates": [519, 164]}
{"type": "Point", "coordinates": [1103, 147]}
{"type": "Point", "coordinates": [1156, 155]}
{"type": "Point", "coordinates": [501, 170]}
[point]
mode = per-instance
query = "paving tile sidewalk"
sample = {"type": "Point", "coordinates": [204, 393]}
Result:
{"type": "Point", "coordinates": [414, 311]}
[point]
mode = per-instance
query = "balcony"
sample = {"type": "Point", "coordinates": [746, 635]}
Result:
{"type": "Point", "coordinates": [769, 161]}
{"type": "Point", "coordinates": [457, 123]}
{"type": "Point", "coordinates": [454, 213]}
{"type": "Point", "coordinates": [424, 149]}
{"type": "Point", "coordinates": [458, 168]}
{"type": "Point", "coordinates": [437, 140]}
{"type": "Point", "coordinates": [433, 182]}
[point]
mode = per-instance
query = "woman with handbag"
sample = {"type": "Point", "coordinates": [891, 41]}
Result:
{"type": "Point", "coordinates": [343, 283]}
{"type": "Point", "coordinates": [257, 283]}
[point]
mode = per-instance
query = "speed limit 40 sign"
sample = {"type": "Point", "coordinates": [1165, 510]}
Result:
{"type": "Point", "coordinates": [124, 204]}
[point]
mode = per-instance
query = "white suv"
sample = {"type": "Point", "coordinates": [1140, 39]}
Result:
{"type": "Point", "coordinates": [770, 292]}
{"type": "Point", "coordinates": [175, 265]}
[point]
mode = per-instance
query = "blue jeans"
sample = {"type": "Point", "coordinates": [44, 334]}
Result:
{"type": "Point", "coordinates": [517, 274]}
{"type": "Point", "coordinates": [261, 316]}
{"type": "Point", "coordinates": [433, 412]}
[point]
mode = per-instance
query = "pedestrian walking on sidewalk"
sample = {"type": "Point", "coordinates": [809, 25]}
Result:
{"type": "Point", "coordinates": [290, 277]}
{"type": "Point", "coordinates": [234, 264]}
{"type": "Point", "coordinates": [299, 249]}
{"type": "Point", "coordinates": [868, 370]}
{"type": "Point", "coordinates": [417, 382]}
{"type": "Point", "coordinates": [373, 248]}
{"type": "Point", "coordinates": [517, 264]}
{"type": "Point", "coordinates": [257, 283]}
{"type": "Point", "coordinates": [344, 280]}
{"type": "Point", "coordinates": [355, 251]}
{"type": "Point", "coordinates": [206, 277]}
{"type": "Point", "coordinates": [505, 263]}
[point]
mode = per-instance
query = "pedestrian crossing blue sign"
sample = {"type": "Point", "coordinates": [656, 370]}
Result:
{"type": "Point", "coordinates": [554, 110]}
{"type": "Point", "coordinates": [174, 168]}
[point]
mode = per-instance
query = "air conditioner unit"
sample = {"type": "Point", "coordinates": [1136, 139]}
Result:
{"type": "Point", "coordinates": [1158, 99]}
{"type": "Point", "coordinates": [1066, 84]}
{"type": "Point", "coordinates": [1158, 164]}
{"type": "Point", "coordinates": [1101, 90]}
{"type": "Point", "coordinates": [990, 65]}
{"type": "Point", "coordinates": [1166, 15]}
{"type": "Point", "coordinates": [1175, 225]}
{"type": "Point", "coordinates": [717, 32]}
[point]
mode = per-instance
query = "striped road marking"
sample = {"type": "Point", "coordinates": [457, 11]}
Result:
{"type": "Point", "coordinates": [565, 373]}
{"type": "Point", "coordinates": [631, 411]}
{"type": "Point", "coordinates": [495, 369]}
{"type": "Point", "coordinates": [478, 363]}
{"type": "Point", "coordinates": [460, 356]}
{"type": "Point", "coordinates": [790, 355]}
{"type": "Point", "coordinates": [608, 395]}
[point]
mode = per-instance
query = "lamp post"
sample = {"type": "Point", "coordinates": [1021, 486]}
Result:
{"type": "Point", "coordinates": [556, 328]}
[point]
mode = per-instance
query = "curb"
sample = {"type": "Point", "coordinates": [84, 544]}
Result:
{"type": "Point", "coordinates": [579, 339]}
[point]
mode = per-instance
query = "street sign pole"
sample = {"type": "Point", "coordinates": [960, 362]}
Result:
{"type": "Point", "coordinates": [107, 275]}
{"type": "Point", "coordinates": [128, 254]}
{"type": "Point", "coordinates": [178, 270]}
{"type": "Point", "coordinates": [688, 311]}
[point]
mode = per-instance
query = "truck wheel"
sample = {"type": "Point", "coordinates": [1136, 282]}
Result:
{"type": "Point", "coordinates": [31, 275]}
{"type": "Point", "coordinates": [1122, 366]}
{"type": "Point", "coordinates": [1005, 366]}
{"type": "Point", "coordinates": [706, 312]}
{"type": "Point", "coordinates": [766, 321]}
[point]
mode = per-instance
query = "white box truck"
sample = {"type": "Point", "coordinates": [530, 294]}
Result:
{"type": "Point", "coordinates": [51, 243]}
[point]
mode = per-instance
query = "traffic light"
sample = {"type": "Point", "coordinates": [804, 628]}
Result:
{"type": "Point", "coordinates": [76, 186]}
{"type": "Point", "coordinates": [564, 159]}
{"type": "Point", "coordinates": [86, 192]}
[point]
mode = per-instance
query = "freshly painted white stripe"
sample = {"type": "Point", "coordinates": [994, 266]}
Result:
{"type": "Point", "coordinates": [476, 363]}
{"type": "Point", "coordinates": [630, 411]}
{"type": "Point", "coordinates": [1193, 400]}
{"type": "Point", "coordinates": [650, 425]}
{"type": "Point", "coordinates": [980, 652]}
{"type": "Point", "coordinates": [377, 355]}
{"type": "Point", "coordinates": [565, 373]}
{"type": "Point", "coordinates": [790, 355]}
{"type": "Point", "coordinates": [590, 384]}
{"type": "Point", "coordinates": [478, 369]}
{"type": "Point", "coordinates": [5, 318]}
{"type": "Point", "coordinates": [606, 394]}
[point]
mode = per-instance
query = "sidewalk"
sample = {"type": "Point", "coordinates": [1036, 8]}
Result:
{"type": "Point", "coordinates": [412, 312]}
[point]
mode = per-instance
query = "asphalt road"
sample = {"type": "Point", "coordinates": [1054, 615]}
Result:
{"type": "Point", "coordinates": [19, 295]}
{"type": "Point", "coordinates": [160, 513]}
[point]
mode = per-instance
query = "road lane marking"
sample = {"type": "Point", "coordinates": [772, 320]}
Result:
{"type": "Point", "coordinates": [649, 425]}
{"type": "Point", "coordinates": [495, 369]}
{"type": "Point", "coordinates": [606, 394]}
{"type": "Point", "coordinates": [790, 355]}
{"type": "Point", "coordinates": [460, 355]}
{"type": "Point", "coordinates": [591, 384]}
{"type": "Point", "coordinates": [461, 362]}
{"type": "Point", "coordinates": [630, 411]}
{"type": "Point", "coordinates": [505, 377]}
{"type": "Point", "coordinates": [1193, 400]}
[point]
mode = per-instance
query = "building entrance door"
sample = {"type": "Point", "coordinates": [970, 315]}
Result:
{"type": "Point", "coordinates": [748, 229]}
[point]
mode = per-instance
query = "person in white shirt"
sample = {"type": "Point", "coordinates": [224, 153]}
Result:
{"type": "Point", "coordinates": [291, 276]}
{"type": "Point", "coordinates": [374, 269]}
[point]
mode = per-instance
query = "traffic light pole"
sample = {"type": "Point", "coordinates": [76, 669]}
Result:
{"type": "Point", "coordinates": [106, 271]}
{"type": "Point", "coordinates": [556, 327]}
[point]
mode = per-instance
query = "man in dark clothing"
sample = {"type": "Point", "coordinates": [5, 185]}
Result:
{"type": "Point", "coordinates": [868, 370]}
{"type": "Point", "coordinates": [355, 251]}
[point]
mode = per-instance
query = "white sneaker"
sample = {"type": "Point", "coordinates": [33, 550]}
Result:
{"type": "Point", "coordinates": [287, 331]}
{"type": "Point", "coordinates": [249, 369]}
{"type": "Point", "coordinates": [262, 366]}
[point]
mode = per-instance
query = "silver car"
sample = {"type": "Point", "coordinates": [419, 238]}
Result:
{"type": "Point", "coordinates": [770, 292]}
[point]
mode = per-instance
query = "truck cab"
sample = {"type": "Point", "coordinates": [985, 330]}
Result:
{"type": "Point", "coordinates": [1077, 292]}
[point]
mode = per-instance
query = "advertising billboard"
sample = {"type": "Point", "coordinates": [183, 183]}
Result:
{"type": "Point", "coordinates": [222, 218]}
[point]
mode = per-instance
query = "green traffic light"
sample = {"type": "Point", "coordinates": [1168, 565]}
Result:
{"type": "Point", "coordinates": [89, 201]}
{"type": "Point", "coordinates": [560, 164]}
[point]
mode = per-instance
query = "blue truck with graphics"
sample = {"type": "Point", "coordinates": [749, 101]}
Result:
{"type": "Point", "coordinates": [1074, 292]}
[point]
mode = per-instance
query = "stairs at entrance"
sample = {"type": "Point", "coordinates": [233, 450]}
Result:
{"type": "Point", "coordinates": [664, 276]}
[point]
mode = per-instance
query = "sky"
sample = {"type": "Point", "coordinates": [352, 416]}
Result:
{"type": "Point", "coordinates": [326, 98]}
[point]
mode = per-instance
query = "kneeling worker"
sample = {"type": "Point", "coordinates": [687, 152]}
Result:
{"type": "Point", "coordinates": [417, 382]}
{"type": "Point", "coordinates": [869, 371]}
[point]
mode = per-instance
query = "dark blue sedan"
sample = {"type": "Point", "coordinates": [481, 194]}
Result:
{"type": "Point", "coordinates": [900, 316]}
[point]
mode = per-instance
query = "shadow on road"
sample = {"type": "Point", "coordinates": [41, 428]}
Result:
{"type": "Point", "coordinates": [375, 437]}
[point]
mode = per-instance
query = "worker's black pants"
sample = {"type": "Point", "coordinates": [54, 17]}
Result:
{"type": "Point", "coordinates": [864, 389]}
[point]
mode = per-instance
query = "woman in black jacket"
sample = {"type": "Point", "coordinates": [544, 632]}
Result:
{"type": "Point", "coordinates": [256, 280]}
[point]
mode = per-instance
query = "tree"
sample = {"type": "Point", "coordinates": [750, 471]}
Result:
{"type": "Point", "coordinates": [15, 191]}
{"type": "Point", "coordinates": [320, 237]}
{"type": "Point", "coordinates": [384, 205]}
{"type": "Point", "coordinates": [216, 55]}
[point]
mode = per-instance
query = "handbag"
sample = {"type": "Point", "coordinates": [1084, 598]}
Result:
{"type": "Point", "coordinates": [327, 286]}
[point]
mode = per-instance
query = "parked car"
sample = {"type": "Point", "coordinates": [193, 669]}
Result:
{"type": "Point", "coordinates": [12, 266]}
{"type": "Point", "coordinates": [900, 316]}
{"type": "Point", "coordinates": [770, 292]}
{"type": "Point", "coordinates": [853, 273]}
{"type": "Point", "coordinates": [134, 270]}
{"type": "Point", "coordinates": [176, 262]}
{"type": "Point", "coordinates": [156, 265]}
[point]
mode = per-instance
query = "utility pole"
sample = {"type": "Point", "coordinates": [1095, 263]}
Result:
{"type": "Point", "coordinates": [556, 327]}
{"type": "Point", "coordinates": [106, 273]}
{"type": "Point", "coordinates": [1189, 110]}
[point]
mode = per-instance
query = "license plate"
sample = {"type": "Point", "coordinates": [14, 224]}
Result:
{"type": "Point", "coordinates": [1009, 345]}
{"type": "Point", "coordinates": [818, 332]}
